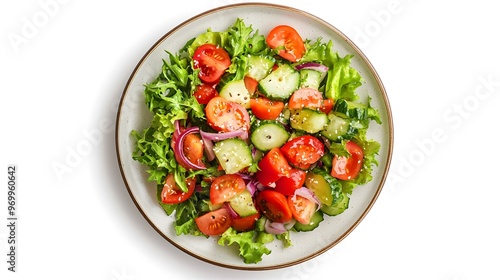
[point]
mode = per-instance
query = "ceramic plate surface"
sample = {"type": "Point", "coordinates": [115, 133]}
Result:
{"type": "Point", "coordinates": [133, 115]}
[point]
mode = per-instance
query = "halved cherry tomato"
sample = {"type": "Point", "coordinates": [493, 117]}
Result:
{"type": "Point", "coordinates": [172, 194]}
{"type": "Point", "coordinates": [288, 184]}
{"type": "Point", "coordinates": [347, 168]}
{"type": "Point", "coordinates": [245, 223]}
{"type": "Point", "coordinates": [306, 98]}
{"type": "Point", "coordinates": [193, 149]}
{"type": "Point", "coordinates": [251, 84]}
{"type": "Point", "coordinates": [205, 92]}
{"type": "Point", "coordinates": [327, 105]}
{"type": "Point", "coordinates": [288, 40]}
{"type": "Point", "coordinates": [223, 115]}
{"type": "Point", "coordinates": [272, 167]}
{"type": "Point", "coordinates": [225, 187]}
{"type": "Point", "coordinates": [266, 109]}
{"type": "Point", "coordinates": [303, 151]}
{"type": "Point", "coordinates": [274, 206]}
{"type": "Point", "coordinates": [302, 208]}
{"type": "Point", "coordinates": [215, 222]}
{"type": "Point", "coordinates": [212, 61]}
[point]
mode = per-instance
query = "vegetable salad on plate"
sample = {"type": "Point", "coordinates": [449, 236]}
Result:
{"type": "Point", "coordinates": [256, 137]}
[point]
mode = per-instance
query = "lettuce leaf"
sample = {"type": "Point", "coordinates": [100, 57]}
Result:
{"type": "Point", "coordinates": [251, 250]}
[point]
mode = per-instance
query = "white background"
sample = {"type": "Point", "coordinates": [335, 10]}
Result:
{"type": "Point", "coordinates": [64, 65]}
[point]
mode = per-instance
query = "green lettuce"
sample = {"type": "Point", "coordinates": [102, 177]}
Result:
{"type": "Point", "coordinates": [250, 250]}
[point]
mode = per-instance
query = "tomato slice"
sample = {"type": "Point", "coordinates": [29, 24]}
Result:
{"type": "Point", "coordinates": [225, 187]}
{"type": "Point", "coordinates": [288, 40]}
{"type": "Point", "coordinates": [245, 223]}
{"type": "Point", "coordinates": [212, 61]}
{"type": "Point", "coordinates": [288, 184]}
{"type": "Point", "coordinates": [272, 167]}
{"type": "Point", "coordinates": [347, 168]}
{"type": "Point", "coordinates": [251, 84]}
{"type": "Point", "coordinates": [215, 222]}
{"type": "Point", "coordinates": [274, 206]}
{"type": "Point", "coordinates": [266, 109]}
{"type": "Point", "coordinates": [223, 115]}
{"type": "Point", "coordinates": [306, 98]}
{"type": "Point", "coordinates": [172, 194]}
{"type": "Point", "coordinates": [302, 208]}
{"type": "Point", "coordinates": [327, 106]}
{"type": "Point", "coordinates": [193, 149]}
{"type": "Point", "coordinates": [303, 151]}
{"type": "Point", "coordinates": [205, 92]}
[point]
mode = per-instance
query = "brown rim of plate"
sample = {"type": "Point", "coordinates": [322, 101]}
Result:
{"type": "Point", "coordinates": [359, 53]}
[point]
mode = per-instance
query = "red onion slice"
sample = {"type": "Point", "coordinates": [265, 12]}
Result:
{"type": "Point", "coordinates": [312, 66]}
{"type": "Point", "coordinates": [306, 193]}
{"type": "Point", "coordinates": [178, 148]}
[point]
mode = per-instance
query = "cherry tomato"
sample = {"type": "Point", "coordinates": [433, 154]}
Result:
{"type": "Point", "coordinates": [172, 194]}
{"type": "Point", "coordinates": [274, 206]}
{"type": "Point", "coordinates": [215, 222]}
{"type": "Point", "coordinates": [212, 62]}
{"type": "Point", "coordinates": [288, 40]}
{"type": "Point", "coordinates": [205, 92]}
{"type": "Point", "coordinates": [223, 115]}
{"type": "Point", "coordinates": [245, 223]}
{"type": "Point", "coordinates": [251, 84]}
{"type": "Point", "coordinates": [306, 98]}
{"type": "Point", "coordinates": [288, 184]}
{"type": "Point", "coordinates": [347, 168]}
{"type": "Point", "coordinates": [272, 167]}
{"type": "Point", "coordinates": [303, 151]}
{"type": "Point", "coordinates": [225, 187]}
{"type": "Point", "coordinates": [265, 109]}
{"type": "Point", "coordinates": [302, 208]}
{"type": "Point", "coordinates": [327, 106]}
{"type": "Point", "coordinates": [193, 149]}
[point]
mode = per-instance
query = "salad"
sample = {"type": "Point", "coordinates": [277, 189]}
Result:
{"type": "Point", "coordinates": [256, 137]}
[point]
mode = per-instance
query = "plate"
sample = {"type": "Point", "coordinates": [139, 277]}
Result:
{"type": "Point", "coordinates": [133, 115]}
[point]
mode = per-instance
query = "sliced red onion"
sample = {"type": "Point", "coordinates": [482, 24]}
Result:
{"type": "Point", "coordinates": [208, 146]}
{"type": "Point", "coordinates": [231, 211]}
{"type": "Point", "coordinates": [222, 136]}
{"type": "Point", "coordinates": [290, 224]}
{"type": "Point", "coordinates": [274, 227]}
{"type": "Point", "coordinates": [308, 194]}
{"type": "Point", "coordinates": [252, 187]}
{"type": "Point", "coordinates": [178, 148]}
{"type": "Point", "coordinates": [312, 66]}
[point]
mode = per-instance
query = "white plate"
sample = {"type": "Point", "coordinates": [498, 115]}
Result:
{"type": "Point", "coordinates": [133, 115]}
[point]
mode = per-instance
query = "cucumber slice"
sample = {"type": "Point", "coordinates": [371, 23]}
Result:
{"type": "Point", "coordinates": [310, 78]}
{"type": "Point", "coordinates": [268, 135]}
{"type": "Point", "coordinates": [326, 188]}
{"type": "Point", "coordinates": [233, 155]}
{"type": "Point", "coordinates": [236, 91]}
{"type": "Point", "coordinates": [308, 120]}
{"type": "Point", "coordinates": [338, 128]}
{"type": "Point", "coordinates": [259, 67]}
{"type": "Point", "coordinates": [281, 83]}
{"type": "Point", "coordinates": [243, 204]}
{"type": "Point", "coordinates": [351, 109]}
{"type": "Point", "coordinates": [316, 218]}
{"type": "Point", "coordinates": [338, 208]}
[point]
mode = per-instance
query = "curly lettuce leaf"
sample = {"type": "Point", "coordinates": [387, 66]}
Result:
{"type": "Point", "coordinates": [250, 250]}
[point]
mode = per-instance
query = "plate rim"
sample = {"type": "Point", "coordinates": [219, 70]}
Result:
{"type": "Point", "coordinates": [359, 53]}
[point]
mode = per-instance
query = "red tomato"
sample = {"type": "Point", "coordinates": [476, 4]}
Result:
{"type": "Point", "coordinates": [306, 98]}
{"type": "Point", "coordinates": [172, 194]}
{"type": "Point", "coordinates": [193, 149]}
{"type": "Point", "coordinates": [212, 62]}
{"type": "Point", "coordinates": [288, 184]}
{"type": "Point", "coordinates": [272, 167]}
{"type": "Point", "coordinates": [265, 109]}
{"type": "Point", "coordinates": [205, 92]}
{"type": "Point", "coordinates": [302, 208]}
{"type": "Point", "coordinates": [347, 168]}
{"type": "Point", "coordinates": [223, 115]}
{"type": "Point", "coordinates": [274, 206]}
{"type": "Point", "coordinates": [327, 106]}
{"type": "Point", "coordinates": [251, 84]}
{"type": "Point", "coordinates": [225, 187]}
{"type": "Point", "coordinates": [303, 151]}
{"type": "Point", "coordinates": [288, 40]}
{"type": "Point", "coordinates": [245, 223]}
{"type": "Point", "coordinates": [215, 222]}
